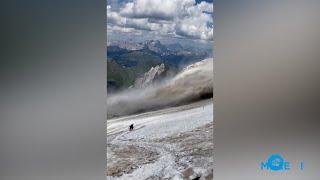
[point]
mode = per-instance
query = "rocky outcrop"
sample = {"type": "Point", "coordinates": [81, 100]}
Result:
{"type": "Point", "coordinates": [149, 77]}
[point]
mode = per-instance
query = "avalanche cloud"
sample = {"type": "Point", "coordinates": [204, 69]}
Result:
{"type": "Point", "coordinates": [194, 83]}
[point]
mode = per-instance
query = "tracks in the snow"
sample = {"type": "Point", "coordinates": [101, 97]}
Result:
{"type": "Point", "coordinates": [164, 165]}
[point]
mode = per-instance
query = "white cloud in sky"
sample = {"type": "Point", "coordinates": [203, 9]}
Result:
{"type": "Point", "coordinates": [182, 18]}
{"type": "Point", "coordinates": [204, 6]}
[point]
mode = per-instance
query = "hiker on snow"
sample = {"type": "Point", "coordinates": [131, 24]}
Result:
{"type": "Point", "coordinates": [131, 127]}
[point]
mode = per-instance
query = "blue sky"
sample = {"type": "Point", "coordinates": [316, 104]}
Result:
{"type": "Point", "coordinates": [209, 1]}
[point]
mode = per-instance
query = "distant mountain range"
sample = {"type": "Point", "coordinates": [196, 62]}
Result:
{"type": "Point", "coordinates": [127, 61]}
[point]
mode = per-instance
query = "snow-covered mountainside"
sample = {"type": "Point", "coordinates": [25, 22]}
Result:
{"type": "Point", "coordinates": [173, 143]}
{"type": "Point", "coordinates": [195, 82]}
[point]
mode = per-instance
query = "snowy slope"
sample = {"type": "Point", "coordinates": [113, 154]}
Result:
{"type": "Point", "coordinates": [164, 124]}
{"type": "Point", "coordinates": [151, 127]}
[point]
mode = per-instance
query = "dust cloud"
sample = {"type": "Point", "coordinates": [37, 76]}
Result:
{"type": "Point", "coordinates": [195, 82]}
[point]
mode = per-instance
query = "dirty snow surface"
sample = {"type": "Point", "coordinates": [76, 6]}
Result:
{"type": "Point", "coordinates": [174, 143]}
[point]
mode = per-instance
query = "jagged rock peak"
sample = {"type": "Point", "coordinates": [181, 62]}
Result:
{"type": "Point", "coordinates": [150, 76]}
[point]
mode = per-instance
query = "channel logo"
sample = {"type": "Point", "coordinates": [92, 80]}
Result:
{"type": "Point", "coordinates": [276, 162]}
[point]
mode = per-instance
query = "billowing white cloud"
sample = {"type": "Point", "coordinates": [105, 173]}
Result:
{"type": "Point", "coordinates": [157, 9]}
{"type": "Point", "coordinates": [195, 26]}
{"type": "Point", "coordinates": [141, 24]}
{"type": "Point", "coordinates": [115, 18]}
{"type": "Point", "coordinates": [182, 18]}
{"type": "Point", "coordinates": [116, 29]}
{"type": "Point", "coordinates": [207, 7]}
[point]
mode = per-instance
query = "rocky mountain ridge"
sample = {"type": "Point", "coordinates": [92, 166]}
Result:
{"type": "Point", "coordinates": [150, 77]}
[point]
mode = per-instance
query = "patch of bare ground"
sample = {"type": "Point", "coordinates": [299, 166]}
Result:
{"type": "Point", "coordinates": [128, 158]}
{"type": "Point", "coordinates": [194, 153]}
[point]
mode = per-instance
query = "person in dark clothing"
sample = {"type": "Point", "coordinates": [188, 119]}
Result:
{"type": "Point", "coordinates": [131, 127]}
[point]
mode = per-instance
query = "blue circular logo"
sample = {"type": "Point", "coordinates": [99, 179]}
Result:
{"type": "Point", "coordinates": [276, 162]}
